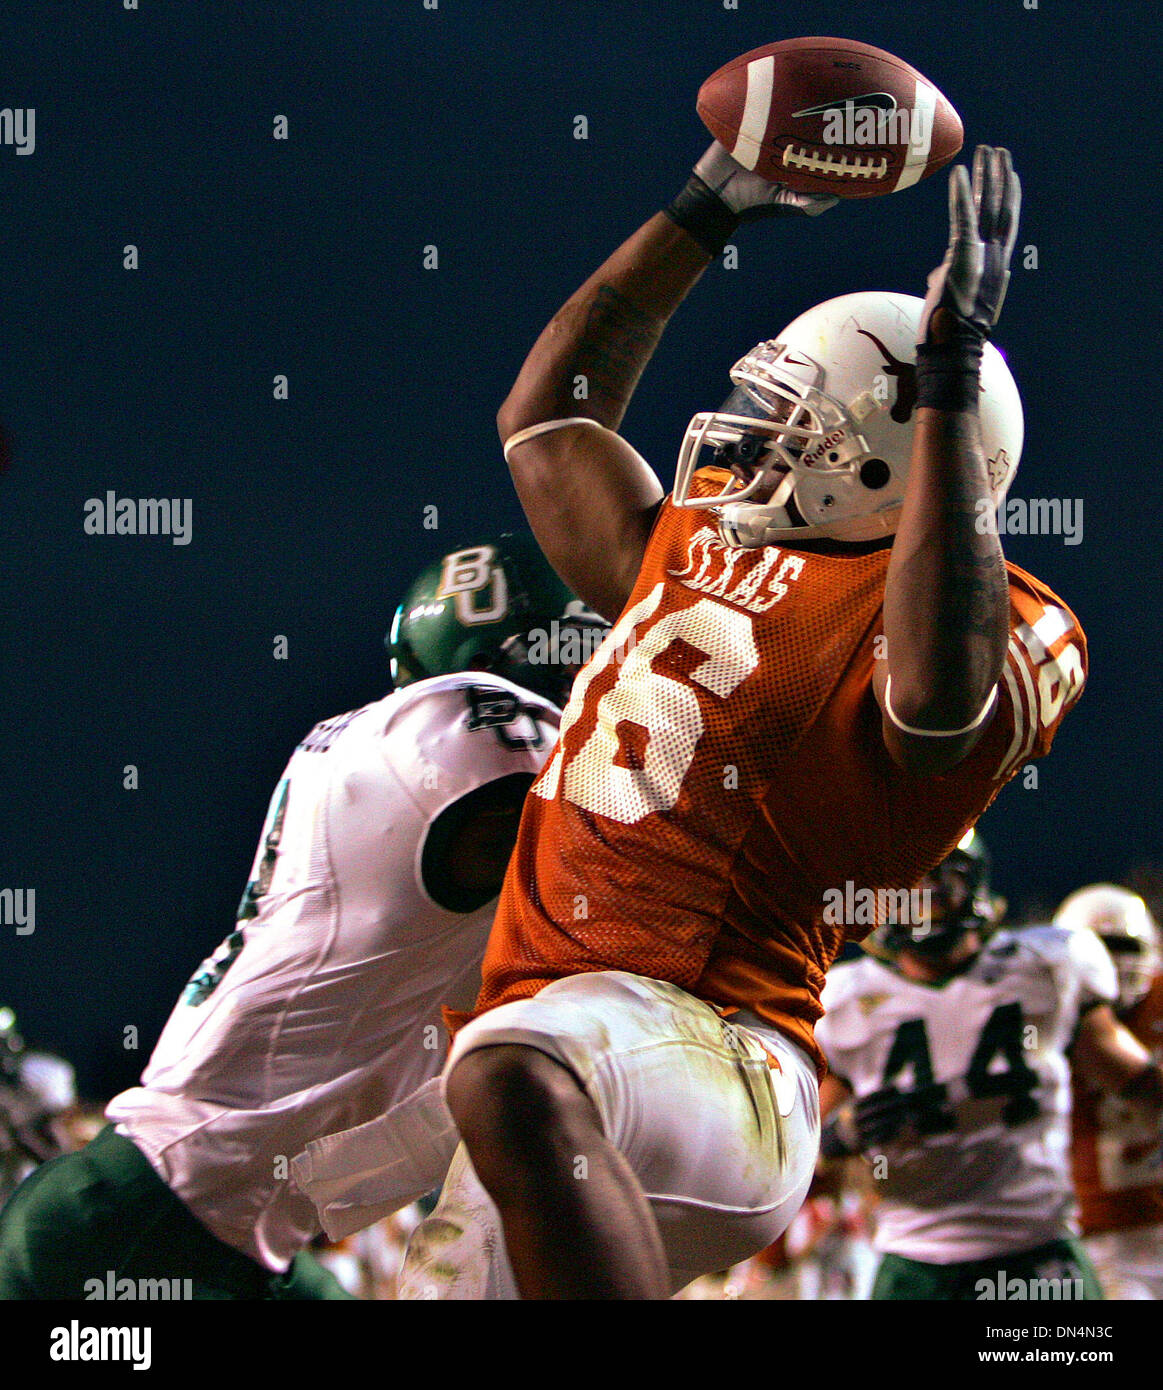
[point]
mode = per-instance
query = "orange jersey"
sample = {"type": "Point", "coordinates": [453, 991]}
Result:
{"type": "Point", "coordinates": [1118, 1177]}
{"type": "Point", "coordinates": [721, 778]}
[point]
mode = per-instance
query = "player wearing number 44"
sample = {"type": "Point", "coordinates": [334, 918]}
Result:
{"type": "Point", "coordinates": [950, 1051]}
{"type": "Point", "coordinates": [368, 907]}
{"type": "Point", "coordinates": [831, 676]}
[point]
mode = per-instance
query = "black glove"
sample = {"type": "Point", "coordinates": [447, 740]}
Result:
{"type": "Point", "coordinates": [880, 1116]}
{"type": "Point", "coordinates": [720, 194]}
{"type": "Point", "coordinates": [983, 226]}
{"type": "Point", "coordinates": [967, 289]}
{"type": "Point", "coordinates": [874, 1119]}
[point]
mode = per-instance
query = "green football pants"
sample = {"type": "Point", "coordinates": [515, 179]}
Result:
{"type": "Point", "coordinates": [82, 1222]}
{"type": "Point", "coordinates": [1059, 1270]}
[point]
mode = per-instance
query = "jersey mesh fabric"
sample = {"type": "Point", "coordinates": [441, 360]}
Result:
{"type": "Point", "coordinates": [1118, 1168]}
{"type": "Point", "coordinates": [719, 769]}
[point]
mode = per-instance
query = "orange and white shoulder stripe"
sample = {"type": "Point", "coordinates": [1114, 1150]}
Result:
{"type": "Point", "coordinates": [1039, 680]}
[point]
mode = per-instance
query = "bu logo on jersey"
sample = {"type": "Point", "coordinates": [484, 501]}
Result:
{"type": "Point", "coordinates": [322, 736]}
{"type": "Point", "coordinates": [711, 565]}
{"type": "Point", "coordinates": [496, 710]}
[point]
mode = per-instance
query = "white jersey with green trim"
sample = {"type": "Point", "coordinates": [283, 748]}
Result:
{"type": "Point", "coordinates": [322, 1008]}
{"type": "Point", "coordinates": [985, 1169]}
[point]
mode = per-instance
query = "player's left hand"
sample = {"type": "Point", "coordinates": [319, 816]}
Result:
{"type": "Point", "coordinates": [749, 196]}
{"type": "Point", "coordinates": [857, 1125]}
{"type": "Point", "coordinates": [881, 1114]}
{"type": "Point", "coordinates": [970, 283]}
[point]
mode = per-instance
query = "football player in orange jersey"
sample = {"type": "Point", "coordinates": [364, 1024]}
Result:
{"type": "Point", "coordinates": [1117, 1150]}
{"type": "Point", "coordinates": [820, 676]}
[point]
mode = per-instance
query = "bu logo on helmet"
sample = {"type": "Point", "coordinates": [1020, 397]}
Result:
{"type": "Point", "coordinates": [468, 572]}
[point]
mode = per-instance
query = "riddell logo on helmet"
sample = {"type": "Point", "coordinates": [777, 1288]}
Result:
{"type": "Point", "coordinates": [829, 441]}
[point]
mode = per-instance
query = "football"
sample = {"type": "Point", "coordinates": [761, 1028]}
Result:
{"type": "Point", "coordinates": [830, 116]}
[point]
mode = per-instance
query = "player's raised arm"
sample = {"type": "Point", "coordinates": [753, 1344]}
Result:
{"type": "Point", "coordinates": [590, 498]}
{"type": "Point", "coordinates": [946, 608]}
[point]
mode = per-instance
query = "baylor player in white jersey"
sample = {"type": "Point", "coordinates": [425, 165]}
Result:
{"type": "Point", "coordinates": [950, 1070]}
{"type": "Point", "coordinates": [368, 909]}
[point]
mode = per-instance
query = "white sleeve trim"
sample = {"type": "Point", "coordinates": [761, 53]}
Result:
{"type": "Point", "coordinates": [1024, 702]}
{"type": "Point", "coordinates": [984, 713]}
{"type": "Point", "coordinates": [532, 431]}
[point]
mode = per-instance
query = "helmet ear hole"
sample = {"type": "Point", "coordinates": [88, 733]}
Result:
{"type": "Point", "coordinates": [875, 473]}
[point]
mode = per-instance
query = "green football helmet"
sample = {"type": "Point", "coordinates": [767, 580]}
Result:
{"type": "Point", "coordinates": [496, 606]}
{"type": "Point", "coordinates": [960, 899]}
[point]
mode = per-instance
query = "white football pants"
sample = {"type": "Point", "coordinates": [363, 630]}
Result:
{"type": "Point", "coordinates": [718, 1118]}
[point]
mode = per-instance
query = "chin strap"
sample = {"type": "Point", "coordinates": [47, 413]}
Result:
{"type": "Point", "coordinates": [986, 709]}
{"type": "Point", "coordinates": [750, 531]}
{"type": "Point", "coordinates": [532, 431]}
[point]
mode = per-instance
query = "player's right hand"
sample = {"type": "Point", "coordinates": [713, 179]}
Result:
{"type": "Point", "coordinates": [749, 196]}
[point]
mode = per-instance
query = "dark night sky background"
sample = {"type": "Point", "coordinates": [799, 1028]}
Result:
{"type": "Point", "coordinates": [455, 128]}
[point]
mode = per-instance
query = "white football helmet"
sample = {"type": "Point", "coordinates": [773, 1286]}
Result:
{"type": "Point", "coordinates": [820, 425]}
{"type": "Point", "coordinates": [1124, 922]}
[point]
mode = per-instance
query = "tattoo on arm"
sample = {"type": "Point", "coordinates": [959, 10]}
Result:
{"type": "Point", "coordinates": [616, 343]}
{"type": "Point", "coordinates": [974, 594]}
